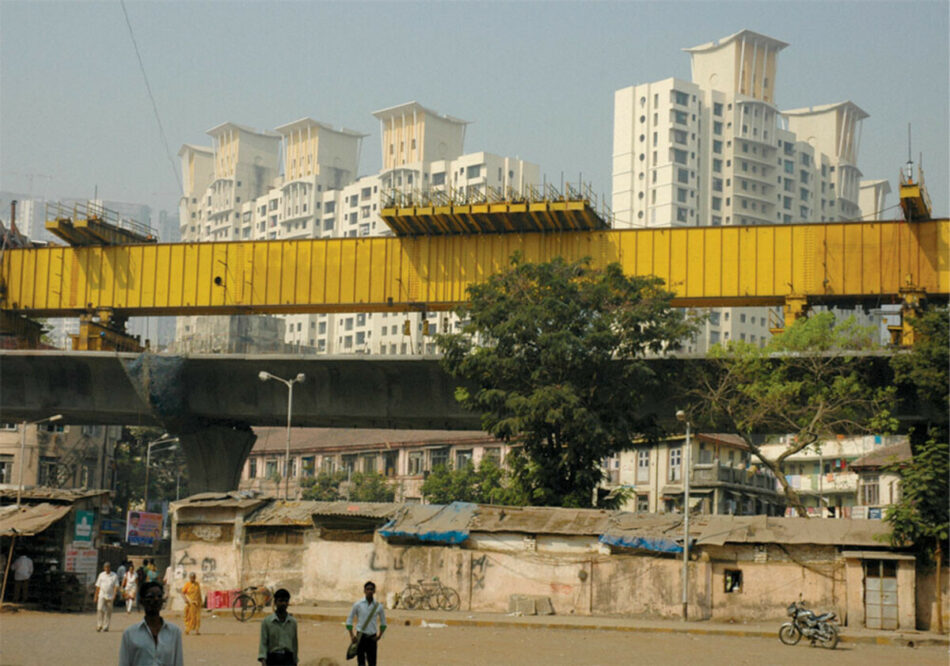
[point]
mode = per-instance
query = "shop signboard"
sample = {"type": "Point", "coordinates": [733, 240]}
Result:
{"type": "Point", "coordinates": [82, 560]}
{"type": "Point", "coordinates": [85, 520]}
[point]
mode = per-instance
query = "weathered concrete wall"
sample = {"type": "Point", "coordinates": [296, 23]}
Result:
{"type": "Point", "coordinates": [774, 577]}
{"type": "Point", "coordinates": [927, 598]}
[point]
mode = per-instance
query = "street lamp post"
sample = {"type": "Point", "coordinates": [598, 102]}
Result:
{"type": "Point", "coordinates": [289, 383]}
{"type": "Point", "coordinates": [164, 439]}
{"type": "Point", "coordinates": [681, 416]}
{"type": "Point", "coordinates": [22, 462]}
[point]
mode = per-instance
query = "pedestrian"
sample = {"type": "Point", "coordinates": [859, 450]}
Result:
{"type": "Point", "coordinates": [370, 618]}
{"type": "Point", "coordinates": [130, 588]}
{"type": "Point", "coordinates": [167, 581]}
{"type": "Point", "coordinates": [107, 585]}
{"type": "Point", "coordinates": [192, 594]}
{"type": "Point", "coordinates": [151, 572]}
{"type": "Point", "coordinates": [22, 572]}
{"type": "Point", "coordinates": [278, 645]}
{"type": "Point", "coordinates": [153, 641]}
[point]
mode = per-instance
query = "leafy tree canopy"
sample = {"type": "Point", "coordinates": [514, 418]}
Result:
{"type": "Point", "coordinates": [804, 382]}
{"type": "Point", "coordinates": [555, 353]}
{"type": "Point", "coordinates": [488, 484]}
{"type": "Point", "coordinates": [924, 372]}
{"type": "Point", "coordinates": [329, 487]}
{"type": "Point", "coordinates": [168, 476]}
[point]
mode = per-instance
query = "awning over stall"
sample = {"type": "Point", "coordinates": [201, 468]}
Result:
{"type": "Point", "coordinates": [28, 520]}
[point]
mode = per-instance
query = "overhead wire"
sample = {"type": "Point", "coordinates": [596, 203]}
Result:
{"type": "Point", "coordinates": [151, 97]}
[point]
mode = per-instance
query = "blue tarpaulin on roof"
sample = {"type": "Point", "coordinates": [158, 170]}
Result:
{"type": "Point", "coordinates": [432, 522]}
{"type": "Point", "coordinates": [657, 544]}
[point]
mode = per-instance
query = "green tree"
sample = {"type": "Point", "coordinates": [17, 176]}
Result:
{"type": "Point", "coordinates": [324, 487]}
{"type": "Point", "coordinates": [168, 475]}
{"type": "Point", "coordinates": [555, 353]}
{"type": "Point", "coordinates": [329, 487]}
{"type": "Point", "coordinates": [371, 488]}
{"type": "Point", "coordinates": [488, 484]}
{"type": "Point", "coordinates": [922, 515]}
{"type": "Point", "coordinates": [806, 382]}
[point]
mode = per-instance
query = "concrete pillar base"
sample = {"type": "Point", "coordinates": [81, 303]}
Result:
{"type": "Point", "coordinates": [215, 455]}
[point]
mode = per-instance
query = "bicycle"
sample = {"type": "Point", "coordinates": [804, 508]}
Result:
{"type": "Point", "coordinates": [251, 600]}
{"type": "Point", "coordinates": [430, 595]}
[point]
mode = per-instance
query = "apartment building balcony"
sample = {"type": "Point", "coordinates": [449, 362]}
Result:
{"type": "Point", "coordinates": [710, 474]}
{"type": "Point", "coordinates": [826, 484]}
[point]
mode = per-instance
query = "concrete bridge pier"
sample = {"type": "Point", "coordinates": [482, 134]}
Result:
{"type": "Point", "coordinates": [215, 455]}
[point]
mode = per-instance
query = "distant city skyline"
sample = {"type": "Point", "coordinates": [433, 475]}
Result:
{"type": "Point", "coordinates": [535, 79]}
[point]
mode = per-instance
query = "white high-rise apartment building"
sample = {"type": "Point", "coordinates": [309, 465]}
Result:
{"type": "Point", "coordinates": [301, 182]}
{"type": "Point", "coordinates": [717, 150]}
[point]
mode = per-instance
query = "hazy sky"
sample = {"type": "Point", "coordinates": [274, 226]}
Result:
{"type": "Point", "coordinates": [535, 78]}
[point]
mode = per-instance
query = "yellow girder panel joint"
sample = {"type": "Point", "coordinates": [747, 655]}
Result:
{"type": "Point", "coordinates": [704, 267]}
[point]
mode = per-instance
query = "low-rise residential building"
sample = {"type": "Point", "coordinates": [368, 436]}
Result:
{"type": "Point", "coordinates": [724, 479]}
{"type": "Point", "coordinates": [822, 474]}
{"type": "Point", "coordinates": [57, 455]}
{"type": "Point", "coordinates": [879, 486]}
{"type": "Point", "coordinates": [403, 456]}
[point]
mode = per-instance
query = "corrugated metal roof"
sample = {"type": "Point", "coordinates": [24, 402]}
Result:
{"type": "Point", "coordinates": [32, 519]}
{"type": "Point", "coordinates": [435, 523]}
{"type": "Point", "coordinates": [719, 530]}
{"type": "Point", "coordinates": [883, 456]}
{"type": "Point", "coordinates": [539, 520]}
{"type": "Point", "coordinates": [301, 513]}
{"type": "Point", "coordinates": [52, 494]}
{"type": "Point", "coordinates": [242, 499]}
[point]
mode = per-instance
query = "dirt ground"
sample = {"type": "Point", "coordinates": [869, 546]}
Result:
{"type": "Point", "coordinates": [29, 638]}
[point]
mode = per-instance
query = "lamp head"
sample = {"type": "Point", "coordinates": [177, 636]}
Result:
{"type": "Point", "coordinates": [263, 375]}
{"type": "Point", "coordinates": [57, 417]}
{"type": "Point", "coordinates": [680, 415]}
{"type": "Point", "coordinates": [300, 377]}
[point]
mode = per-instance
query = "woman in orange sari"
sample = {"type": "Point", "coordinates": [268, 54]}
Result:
{"type": "Point", "coordinates": [192, 594]}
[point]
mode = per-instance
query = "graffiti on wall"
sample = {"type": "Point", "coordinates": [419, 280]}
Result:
{"type": "Point", "coordinates": [379, 562]}
{"type": "Point", "coordinates": [479, 569]}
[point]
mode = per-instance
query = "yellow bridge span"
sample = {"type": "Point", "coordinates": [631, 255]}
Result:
{"type": "Point", "coordinates": [703, 266]}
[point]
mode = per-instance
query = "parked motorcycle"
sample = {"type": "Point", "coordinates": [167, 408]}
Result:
{"type": "Point", "coordinates": [822, 628]}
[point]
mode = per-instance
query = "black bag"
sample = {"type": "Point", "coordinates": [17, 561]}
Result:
{"type": "Point", "coordinates": [353, 647]}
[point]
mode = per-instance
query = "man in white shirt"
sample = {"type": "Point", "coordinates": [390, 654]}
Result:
{"type": "Point", "coordinates": [22, 571]}
{"type": "Point", "coordinates": [153, 641]}
{"type": "Point", "coordinates": [370, 620]}
{"type": "Point", "coordinates": [107, 585]}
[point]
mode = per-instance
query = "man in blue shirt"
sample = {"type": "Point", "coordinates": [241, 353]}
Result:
{"type": "Point", "coordinates": [370, 620]}
{"type": "Point", "coordinates": [153, 641]}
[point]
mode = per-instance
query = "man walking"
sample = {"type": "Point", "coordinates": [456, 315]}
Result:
{"type": "Point", "coordinates": [107, 585]}
{"type": "Point", "coordinates": [278, 645]}
{"type": "Point", "coordinates": [370, 619]}
{"type": "Point", "coordinates": [22, 572]}
{"type": "Point", "coordinates": [153, 641]}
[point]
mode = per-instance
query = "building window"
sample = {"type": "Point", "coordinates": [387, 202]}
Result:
{"type": "Point", "coordinates": [680, 195]}
{"type": "Point", "coordinates": [682, 176]}
{"type": "Point", "coordinates": [676, 457]}
{"type": "Point", "coordinates": [643, 503]}
{"type": "Point", "coordinates": [47, 473]}
{"type": "Point", "coordinates": [717, 108]}
{"type": "Point", "coordinates": [416, 462]}
{"type": "Point", "coordinates": [439, 457]}
{"type": "Point", "coordinates": [270, 468]}
{"type": "Point", "coordinates": [870, 490]}
{"type": "Point", "coordinates": [679, 156]}
{"type": "Point", "coordinates": [680, 98]}
{"type": "Point", "coordinates": [680, 117]}
{"type": "Point", "coordinates": [6, 468]}
{"type": "Point", "coordinates": [643, 465]}
{"type": "Point", "coordinates": [474, 171]}
{"type": "Point", "coordinates": [492, 453]}
{"type": "Point", "coordinates": [463, 458]}
{"type": "Point", "coordinates": [252, 468]}
{"type": "Point", "coordinates": [732, 581]}
{"type": "Point", "coordinates": [308, 465]}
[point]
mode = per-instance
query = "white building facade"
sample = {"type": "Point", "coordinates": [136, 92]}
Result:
{"type": "Point", "coordinates": [301, 181]}
{"type": "Point", "coordinates": [717, 150]}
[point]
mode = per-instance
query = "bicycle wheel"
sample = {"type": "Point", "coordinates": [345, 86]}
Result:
{"type": "Point", "coordinates": [412, 597]}
{"type": "Point", "coordinates": [448, 599]}
{"type": "Point", "coordinates": [789, 634]}
{"type": "Point", "coordinates": [244, 607]}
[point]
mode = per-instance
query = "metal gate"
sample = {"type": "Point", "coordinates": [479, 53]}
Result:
{"type": "Point", "coordinates": [880, 594]}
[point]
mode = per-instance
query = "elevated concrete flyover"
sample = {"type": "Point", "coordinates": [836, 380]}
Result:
{"type": "Point", "coordinates": [211, 401]}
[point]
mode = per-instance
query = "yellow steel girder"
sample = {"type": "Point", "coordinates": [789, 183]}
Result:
{"type": "Point", "coordinates": [703, 266]}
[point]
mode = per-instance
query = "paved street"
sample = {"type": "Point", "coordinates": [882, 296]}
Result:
{"type": "Point", "coordinates": [30, 638]}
